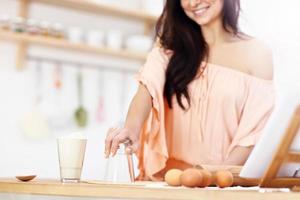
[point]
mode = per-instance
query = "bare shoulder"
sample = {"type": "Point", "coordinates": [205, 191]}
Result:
{"type": "Point", "coordinates": [259, 59]}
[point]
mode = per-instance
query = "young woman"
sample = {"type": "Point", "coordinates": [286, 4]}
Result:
{"type": "Point", "coordinates": [205, 91]}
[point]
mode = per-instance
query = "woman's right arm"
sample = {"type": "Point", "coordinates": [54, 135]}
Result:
{"type": "Point", "coordinates": [139, 110]}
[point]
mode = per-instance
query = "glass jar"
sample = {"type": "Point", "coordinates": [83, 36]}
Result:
{"type": "Point", "coordinates": [18, 25]}
{"type": "Point", "coordinates": [120, 168]}
{"type": "Point", "coordinates": [4, 22]}
{"type": "Point", "coordinates": [45, 28]}
{"type": "Point", "coordinates": [75, 34]}
{"type": "Point", "coordinates": [32, 27]}
{"type": "Point", "coordinates": [57, 30]}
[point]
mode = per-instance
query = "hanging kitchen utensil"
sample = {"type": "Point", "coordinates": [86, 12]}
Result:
{"type": "Point", "coordinates": [100, 111]}
{"type": "Point", "coordinates": [81, 115]}
{"type": "Point", "coordinates": [58, 76]}
{"type": "Point", "coordinates": [34, 123]}
{"type": "Point", "coordinates": [58, 116]}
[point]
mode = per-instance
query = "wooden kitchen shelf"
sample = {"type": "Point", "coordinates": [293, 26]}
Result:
{"type": "Point", "coordinates": [84, 5]}
{"type": "Point", "coordinates": [98, 8]}
{"type": "Point", "coordinates": [67, 45]}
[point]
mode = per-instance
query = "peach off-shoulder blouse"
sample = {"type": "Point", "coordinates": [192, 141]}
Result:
{"type": "Point", "coordinates": [228, 108]}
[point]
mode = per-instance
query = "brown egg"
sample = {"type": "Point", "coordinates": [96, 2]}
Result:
{"type": "Point", "coordinates": [224, 178]}
{"type": "Point", "coordinates": [214, 178]}
{"type": "Point", "coordinates": [172, 177]}
{"type": "Point", "coordinates": [191, 177]}
{"type": "Point", "coordinates": [206, 178]}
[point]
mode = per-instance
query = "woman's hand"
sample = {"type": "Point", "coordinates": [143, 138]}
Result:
{"type": "Point", "coordinates": [238, 156]}
{"type": "Point", "coordinates": [139, 110]}
{"type": "Point", "coordinates": [116, 136]}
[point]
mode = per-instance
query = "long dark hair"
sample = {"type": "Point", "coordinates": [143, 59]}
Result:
{"type": "Point", "coordinates": [183, 36]}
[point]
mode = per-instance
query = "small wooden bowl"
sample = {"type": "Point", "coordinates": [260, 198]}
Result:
{"type": "Point", "coordinates": [25, 178]}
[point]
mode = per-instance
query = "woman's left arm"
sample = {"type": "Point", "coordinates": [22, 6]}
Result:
{"type": "Point", "coordinates": [262, 67]}
{"type": "Point", "coordinates": [261, 64]}
{"type": "Point", "coordinates": [238, 156]}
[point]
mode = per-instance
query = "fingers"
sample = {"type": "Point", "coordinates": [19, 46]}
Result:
{"type": "Point", "coordinates": [112, 132]}
{"type": "Point", "coordinates": [119, 138]}
{"type": "Point", "coordinates": [132, 148]}
{"type": "Point", "coordinates": [115, 136]}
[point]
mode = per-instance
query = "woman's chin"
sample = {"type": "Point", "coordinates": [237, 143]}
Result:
{"type": "Point", "coordinates": [203, 22]}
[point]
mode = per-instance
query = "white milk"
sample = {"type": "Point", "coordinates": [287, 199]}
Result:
{"type": "Point", "coordinates": [71, 150]}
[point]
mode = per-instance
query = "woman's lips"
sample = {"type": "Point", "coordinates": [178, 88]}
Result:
{"type": "Point", "coordinates": [201, 11]}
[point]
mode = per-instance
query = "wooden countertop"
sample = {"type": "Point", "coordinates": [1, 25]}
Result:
{"type": "Point", "coordinates": [139, 190]}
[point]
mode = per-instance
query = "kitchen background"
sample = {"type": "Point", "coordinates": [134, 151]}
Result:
{"type": "Point", "coordinates": [38, 102]}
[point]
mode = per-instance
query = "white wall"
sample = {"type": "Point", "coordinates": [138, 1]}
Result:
{"type": "Point", "coordinates": [276, 22]}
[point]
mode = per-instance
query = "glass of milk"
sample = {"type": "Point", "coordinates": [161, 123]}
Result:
{"type": "Point", "coordinates": [71, 151]}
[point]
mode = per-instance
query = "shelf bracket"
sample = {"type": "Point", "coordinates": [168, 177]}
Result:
{"type": "Point", "coordinates": [22, 46]}
{"type": "Point", "coordinates": [149, 28]}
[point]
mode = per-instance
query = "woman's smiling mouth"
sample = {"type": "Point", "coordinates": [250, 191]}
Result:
{"type": "Point", "coordinates": [201, 11]}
